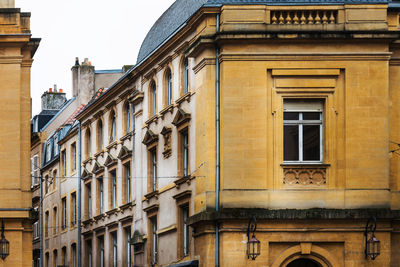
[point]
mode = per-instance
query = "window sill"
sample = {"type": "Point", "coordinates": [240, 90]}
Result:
{"type": "Point", "coordinates": [305, 164]}
{"type": "Point", "coordinates": [185, 97]}
{"type": "Point", "coordinates": [151, 195]}
{"type": "Point", "coordinates": [128, 205]}
{"type": "Point", "coordinates": [154, 118]}
{"type": "Point", "coordinates": [126, 136]}
{"type": "Point", "coordinates": [185, 179]}
{"type": "Point", "coordinates": [101, 153]}
{"type": "Point", "coordinates": [113, 144]}
{"type": "Point", "coordinates": [169, 108]}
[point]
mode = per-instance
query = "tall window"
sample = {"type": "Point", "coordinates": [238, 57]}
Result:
{"type": "Point", "coordinates": [55, 224]}
{"type": "Point", "coordinates": [89, 200]}
{"type": "Point", "coordinates": [89, 253]}
{"type": "Point", "coordinates": [46, 184]}
{"type": "Point", "coordinates": [88, 143]}
{"type": "Point", "coordinates": [127, 114]}
{"type": "Point", "coordinates": [46, 224]}
{"type": "Point", "coordinates": [153, 99]}
{"type": "Point", "coordinates": [64, 163]}
{"type": "Point", "coordinates": [35, 171]}
{"type": "Point", "coordinates": [47, 259]}
{"type": "Point", "coordinates": [55, 258]}
{"type": "Point", "coordinates": [112, 126]}
{"type": "Point", "coordinates": [73, 256]}
{"type": "Point", "coordinates": [127, 185]}
{"type": "Point", "coordinates": [73, 157]}
{"type": "Point", "coordinates": [73, 209]}
{"type": "Point", "coordinates": [185, 230]}
{"type": "Point", "coordinates": [113, 189]}
{"type": "Point", "coordinates": [303, 131]}
{"type": "Point", "coordinates": [55, 145]}
{"type": "Point", "coordinates": [64, 256]}
{"type": "Point", "coordinates": [153, 222]}
{"type": "Point", "coordinates": [99, 135]}
{"type": "Point", "coordinates": [168, 87]}
{"type": "Point", "coordinates": [153, 158]}
{"type": "Point", "coordinates": [185, 153]}
{"type": "Point", "coordinates": [48, 151]}
{"type": "Point", "coordinates": [101, 246]}
{"type": "Point", "coordinates": [185, 76]}
{"type": "Point", "coordinates": [115, 248]}
{"type": "Point", "coordinates": [128, 246]}
{"type": "Point", "coordinates": [54, 181]}
{"type": "Point", "coordinates": [64, 213]}
{"type": "Point", "coordinates": [100, 195]}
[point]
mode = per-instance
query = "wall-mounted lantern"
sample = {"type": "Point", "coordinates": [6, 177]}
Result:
{"type": "Point", "coordinates": [253, 244]}
{"type": "Point", "coordinates": [372, 244]}
{"type": "Point", "coordinates": [4, 244]}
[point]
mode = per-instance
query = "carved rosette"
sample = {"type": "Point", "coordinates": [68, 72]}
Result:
{"type": "Point", "coordinates": [304, 176]}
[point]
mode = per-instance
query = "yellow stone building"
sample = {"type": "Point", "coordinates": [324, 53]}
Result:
{"type": "Point", "coordinates": [17, 48]}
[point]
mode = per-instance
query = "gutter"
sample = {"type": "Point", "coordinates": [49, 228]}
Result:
{"type": "Point", "coordinates": [15, 209]}
{"type": "Point", "coordinates": [218, 145]}
{"type": "Point", "coordinates": [79, 194]}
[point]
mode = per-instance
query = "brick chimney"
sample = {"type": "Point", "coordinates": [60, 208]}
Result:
{"type": "Point", "coordinates": [53, 99]}
{"type": "Point", "coordinates": [83, 80]}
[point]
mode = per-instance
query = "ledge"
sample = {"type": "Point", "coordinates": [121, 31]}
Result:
{"type": "Point", "coordinates": [292, 214]}
{"type": "Point", "coordinates": [151, 194]}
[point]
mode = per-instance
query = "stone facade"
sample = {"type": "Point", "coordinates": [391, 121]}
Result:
{"type": "Point", "coordinates": [17, 51]}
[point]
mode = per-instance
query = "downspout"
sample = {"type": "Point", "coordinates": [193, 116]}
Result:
{"type": "Point", "coordinates": [79, 193]}
{"type": "Point", "coordinates": [41, 221]}
{"type": "Point", "coordinates": [217, 127]}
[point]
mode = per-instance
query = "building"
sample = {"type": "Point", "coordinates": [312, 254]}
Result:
{"type": "Point", "coordinates": [45, 153]}
{"type": "Point", "coordinates": [17, 51]}
{"type": "Point", "coordinates": [284, 111]}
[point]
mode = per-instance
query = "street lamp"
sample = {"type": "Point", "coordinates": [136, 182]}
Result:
{"type": "Point", "coordinates": [4, 244]}
{"type": "Point", "coordinates": [253, 244]}
{"type": "Point", "coordinates": [372, 244]}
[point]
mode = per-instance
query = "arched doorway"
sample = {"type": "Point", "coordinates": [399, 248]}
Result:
{"type": "Point", "coordinates": [304, 263]}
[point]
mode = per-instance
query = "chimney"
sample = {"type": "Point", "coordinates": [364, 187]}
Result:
{"type": "Point", "coordinates": [53, 100]}
{"type": "Point", "coordinates": [83, 81]}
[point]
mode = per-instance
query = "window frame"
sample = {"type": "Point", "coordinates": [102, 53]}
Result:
{"type": "Point", "coordinates": [300, 123]}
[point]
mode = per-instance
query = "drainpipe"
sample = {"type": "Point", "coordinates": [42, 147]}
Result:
{"type": "Point", "coordinates": [41, 221]}
{"type": "Point", "coordinates": [79, 193]}
{"type": "Point", "coordinates": [217, 126]}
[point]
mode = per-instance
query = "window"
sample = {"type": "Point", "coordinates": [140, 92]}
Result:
{"type": "Point", "coordinates": [112, 126]}
{"type": "Point", "coordinates": [47, 259]}
{"type": "Point", "coordinates": [167, 87]}
{"type": "Point", "coordinates": [88, 145]}
{"type": "Point", "coordinates": [113, 191]}
{"type": "Point", "coordinates": [55, 258]}
{"type": "Point", "coordinates": [89, 253]}
{"type": "Point", "coordinates": [185, 230]}
{"type": "Point", "coordinates": [127, 116]}
{"type": "Point", "coordinates": [99, 135]}
{"type": "Point", "coordinates": [73, 157]}
{"type": "Point", "coordinates": [100, 195]}
{"type": "Point", "coordinates": [48, 151]}
{"type": "Point", "coordinates": [64, 256]}
{"type": "Point", "coordinates": [128, 253]}
{"type": "Point", "coordinates": [303, 131]}
{"type": "Point", "coordinates": [73, 208]}
{"type": "Point", "coordinates": [153, 225]}
{"type": "Point", "coordinates": [153, 168]}
{"type": "Point", "coordinates": [55, 145]}
{"type": "Point", "coordinates": [35, 171]}
{"type": "Point", "coordinates": [186, 76]}
{"type": "Point", "coordinates": [54, 181]}
{"type": "Point", "coordinates": [115, 249]}
{"type": "Point", "coordinates": [184, 153]}
{"type": "Point", "coordinates": [88, 205]}
{"type": "Point", "coordinates": [64, 163]}
{"type": "Point", "coordinates": [152, 99]}
{"type": "Point", "coordinates": [55, 224]}
{"type": "Point", "coordinates": [46, 184]}
{"type": "Point", "coordinates": [101, 246]}
{"type": "Point", "coordinates": [74, 258]}
{"type": "Point", "coordinates": [64, 213]}
{"type": "Point", "coordinates": [127, 183]}
{"type": "Point", "coordinates": [46, 224]}
{"type": "Point", "coordinates": [35, 230]}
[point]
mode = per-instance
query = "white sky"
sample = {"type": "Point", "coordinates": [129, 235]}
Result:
{"type": "Point", "coordinates": [109, 33]}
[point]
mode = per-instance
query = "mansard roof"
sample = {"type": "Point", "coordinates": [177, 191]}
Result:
{"type": "Point", "coordinates": [176, 16]}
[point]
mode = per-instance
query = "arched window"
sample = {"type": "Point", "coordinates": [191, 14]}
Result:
{"type": "Point", "coordinates": [99, 135]}
{"type": "Point", "coordinates": [168, 87]}
{"type": "Point", "coordinates": [127, 117]}
{"type": "Point", "coordinates": [152, 99]}
{"type": "Point", "coordinates": [185, 76]}
{"type": "Point", "coordinates": [112, 126]}
{"type": "Point", "coordinates": [88, 146]}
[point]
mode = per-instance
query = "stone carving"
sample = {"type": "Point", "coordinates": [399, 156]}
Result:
{"type": "Point", "coordinates": [301, 175]}
{"type": "Point", "coordinates": [166, 132]}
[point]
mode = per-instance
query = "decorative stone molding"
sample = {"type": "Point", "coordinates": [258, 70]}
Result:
{"type": "Point", "coordinates": [181, 117]}
{"type": "Point", "coordinates": [304, 175]}
{"type": "Point", "coordinates": [302, 17]}
{"type": "Point", "coordinates": [166, 132]}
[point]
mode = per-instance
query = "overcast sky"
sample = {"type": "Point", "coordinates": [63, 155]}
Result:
{"type": "Point", "coordinates": [109, 33]}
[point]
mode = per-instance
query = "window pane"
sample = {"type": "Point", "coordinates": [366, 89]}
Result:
{"type": "Point", "coordinates": [311, 116]}
{"type": "Point", "coordinates": [311, 142]}
{"type": "Point", "coordinates": [291, 142]}
{"type": "Point", "coordinates": [291, 115]}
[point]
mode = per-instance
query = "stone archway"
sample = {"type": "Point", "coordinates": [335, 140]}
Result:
{"type": "Point", "coordinates": [305, 251]}
{"type": "Point", "coordinates": [303, 262]}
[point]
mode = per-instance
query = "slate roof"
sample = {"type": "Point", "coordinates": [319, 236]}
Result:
{"type": "Point", "coordinates": [175, 17]}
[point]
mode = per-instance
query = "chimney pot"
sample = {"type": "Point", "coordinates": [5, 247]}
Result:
{"type": "Point", "coordinates": [61, 90]}
{"type": "Point", "coordinates": [76, 61]}
{"type": "Point", "coordinates": [50, 90]}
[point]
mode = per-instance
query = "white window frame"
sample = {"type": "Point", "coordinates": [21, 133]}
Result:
{"type": "Point", "coordinates": [300, 122]}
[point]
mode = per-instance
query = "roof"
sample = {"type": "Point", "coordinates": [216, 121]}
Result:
{"type": "Point", "coordinates": [66, 104]}
{"type": "Point", "coordinates": [108, 71]}
{"type": "Point", "coordinates": [175, 17]}
{"type": "Point", "coordinates": [72, 118]}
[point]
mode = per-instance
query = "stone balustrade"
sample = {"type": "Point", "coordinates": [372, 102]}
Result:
{"type": "Point", "coordinates": [303, 17]}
